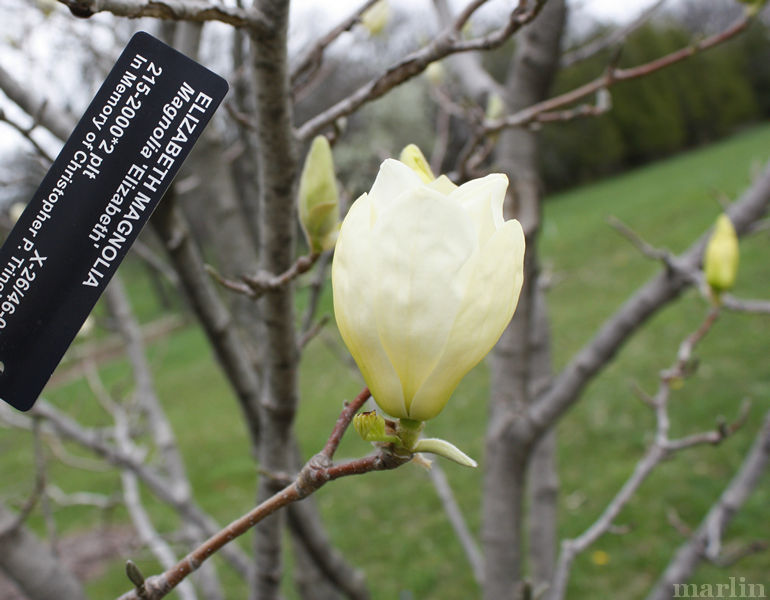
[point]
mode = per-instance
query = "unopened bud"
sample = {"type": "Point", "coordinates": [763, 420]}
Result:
{"type": "Point", "coordinates": [721, 257]}
{"type": "Point", "coordinates": [376, 17]}
{"type": "Point", "coordinates": [371, 427]}
{"type": "Point", "coordinates": [435, 73]}
{"type": "Point", "coordinates": [495, 107]}
{"type": "Point", "coordinates": [318, 197]}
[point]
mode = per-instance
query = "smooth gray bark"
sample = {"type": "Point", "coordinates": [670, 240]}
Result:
{"type": "Point", "coordinates": [520, 359]}
{"type": "Point", "coordinates": [31, 564]}
{"type": "Point", "coordinates": [277, 163]}
{"type": "Point", "coordinates": [210, 309]}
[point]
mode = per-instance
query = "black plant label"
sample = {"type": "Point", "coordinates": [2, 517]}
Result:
{"type": "Point", "coordinates": [92, 204]}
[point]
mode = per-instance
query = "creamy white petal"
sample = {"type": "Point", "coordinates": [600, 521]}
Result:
{"type": "Point", "coordinates": [423, 239]}
{"type": "Point", "coordinates": [483, 199]}
{"type": "Point", "coordinates": [393, 179]}
{"type": "Point", "coordinates": [353, 279]}
{"type": "Point", "coordinates": [486, 310]}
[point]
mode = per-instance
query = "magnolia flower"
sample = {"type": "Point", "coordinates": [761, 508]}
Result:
{"type": "Point", "coordinates": [721, 256]}
{"type": "Point", "coordinates": [426, 277]}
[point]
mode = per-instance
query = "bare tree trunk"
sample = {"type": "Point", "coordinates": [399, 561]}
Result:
{"type": "Point", "coordinates": [516, 365]}
{"type": "Point", "coordinates": [277, 172]}
{"type": "Point", "coordinates": [30, 563]}
{"type": "Point", "coordinates": [210, 310]}
{"type": "Point", "coordinates": [543, 473]}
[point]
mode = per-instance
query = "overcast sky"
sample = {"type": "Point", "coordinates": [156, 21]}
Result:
{"type": "Point", "coordinates": [621, 10]}
{"type": "Point", "coordinates": [310, 18]}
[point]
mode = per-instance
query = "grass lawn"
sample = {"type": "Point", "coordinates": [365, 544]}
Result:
{"type": "Point", "coordinates": [391, 524]}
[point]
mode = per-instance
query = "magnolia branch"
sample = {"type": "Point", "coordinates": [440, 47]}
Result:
{"type": "Point", "coordinates": [45, 113]}
{"type": "Point", "coordinates": [694, 275]}
{"type": "Point", "coordinates": [256, 285]}
{"type": "Point", "coordinates": [446, 43]}
{"type": "Point", "coordinates": [661, 448]}
{"type": "Point", "coordinates": [26, 132]}
{"type": "Point", "coordinates": [706, 542]}
{"type": "Point", "coordinates": [57, 424]}
{"type": "Point", "coordinates": [319, 470]}
{"type": "Point", "coordinates": [37, 492]}
{"type": "Point", "coordinates": [177, 10]}
{"type": "Point", "coordinates": [613, 38]}
{"type": "Point", "coordinates": [307, 66]}
{"type": "Point", "coordinates": [455, 516]}
{"type": "Point", "coordinates": [535, 113]}
{"type": "Point", "coordinates": [649, 298]}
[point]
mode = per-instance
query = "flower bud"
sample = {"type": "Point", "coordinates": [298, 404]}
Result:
{"type": "Point", "coordinates": [376, 17]}
{"type": "Point", "coordinates": [413, 158]}
{"type": "Point", "coordinates": [371, 427]}
{"type": "Point", "coordinates": [495, 107]}
{"type": "Point", "coordinates": [721, 256]}
{"type": "Point", "coordinates": [435, 73]}
{"type": "Point", "coordinates": [318, 198]}
{"type": "Point", "coordinates": [425, 278]}
{"type": "Point", "coordinates": [753, 6]}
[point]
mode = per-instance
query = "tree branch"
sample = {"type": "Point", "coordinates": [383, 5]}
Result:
{"type": "Point", "coordinates": [657, 292]}
{"type": "Point", "coordinates": [306, 67]}
{"type": "Point", "coordinates": [660, 449]}
{"type": "Point", "coordinates": [615, 75]}
{"type": "Point", "coordinates": [211, 311]}
{"type": "Point", "coordinates": [455, 516]}
{"type": "Point", "coordinates": [317, 471]}
{"type": "Point", "coordinates": [57, 121]}
{"type": "Point", "coordinates": [446, 43]}
{"type": "Point", "coordinates": [177, 10]}
{"type": "Point", "coordinates": [26, 132]}
{"type": "Point", "coordinates": [706, 541]}
{"type": "Point", "coordinates": [256, 285]}
{"type": "Point", "coordinates": [615, 37]}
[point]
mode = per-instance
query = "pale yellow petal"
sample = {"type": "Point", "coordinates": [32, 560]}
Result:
{"type": "Point", "coordinates": [483, 200]}
{"type": "Point", "coordinates": [493, 292]}
{"type": "Point", "coordinates": [423, 240]}
{"type": "Point", "coordinates": [352, 283]}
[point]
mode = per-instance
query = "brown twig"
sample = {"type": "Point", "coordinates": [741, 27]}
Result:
{"type": "Point", "coordinates": [317, 471]}
{"type": "Point", "coordinates": [256, 285]}
{"type": "Point", "coordinates": [410, 66]}
{"type": "Point", "coordinates": [307, 67]}
{"type": "Point", "coordinates": [312, 332]}
{"type": "Point", "coordinates": [609, 78]}
{"type": "Point", "coordinates": [731, 558]}
{"type": "Point", "coordinates": [743, 305]}
{"type": "Point", "coordinates": [240, 117]}
{"type": "Point", "coordinates": [615, 37]}
{"type": "Point", "coordinates": [661, 448]}
{"type": "Point", "coordinates": [37, 492]}
{"type": "Point", "coordinates": [26, 132]}
{"type": "Point", "coordinates": [346, 416]}
{"type": "Point", "coordinates": [178, 10]}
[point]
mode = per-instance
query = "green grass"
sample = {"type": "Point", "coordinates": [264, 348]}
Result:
{"type": "Point", "coordinates": [390, 524]}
